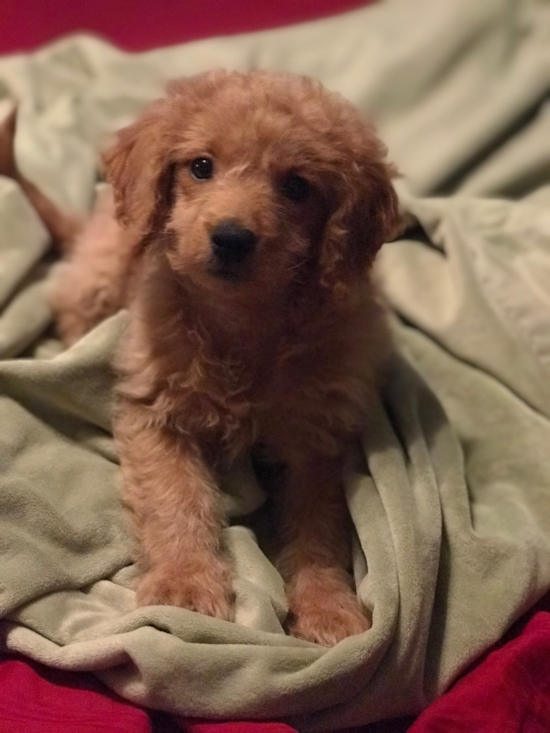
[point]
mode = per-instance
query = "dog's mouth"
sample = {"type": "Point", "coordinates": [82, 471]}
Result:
{"type": "Point", "coordinates": [232, 272]}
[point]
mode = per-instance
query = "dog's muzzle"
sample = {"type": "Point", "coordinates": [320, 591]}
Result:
{"type": "Point", "coordinates": [231, 243]}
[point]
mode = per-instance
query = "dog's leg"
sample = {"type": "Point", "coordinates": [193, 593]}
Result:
{"type": "Point", "coordinates": [91, 283]}
{"type": "Point", "coordinates": [62, 226]}
{"type": "Point", "coordinates": [316, 558]}
{"type": "Point", "coordinates": [174, 500]}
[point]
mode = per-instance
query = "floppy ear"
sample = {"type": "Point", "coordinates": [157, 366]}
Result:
{"type": "Point", "coordinates": [140, 170]}
{"type": "Point", "coordinates": [366, 214]}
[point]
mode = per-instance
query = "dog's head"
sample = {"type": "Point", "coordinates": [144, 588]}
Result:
{"type": "Point", "coordinates": [252, 179]}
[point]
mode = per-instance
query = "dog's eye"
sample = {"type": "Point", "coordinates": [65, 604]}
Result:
{"type": "Point", "coordinates": [202, 168]}
{"type": "Point", "coordinates": [295, 188]}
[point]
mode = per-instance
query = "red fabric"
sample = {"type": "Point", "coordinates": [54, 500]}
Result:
{"type": "Point", "coordinates": [508, 692]}
{"type": "Point", "coordinates": [36, 699]}
{"type": "Point", "coordinates": [244, 727]}
{"type": "Point", "coordinates": [137, 25]}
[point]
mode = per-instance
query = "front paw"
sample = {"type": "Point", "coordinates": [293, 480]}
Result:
{"type": "Point", "coordinates": [325, 616]}
{"type": "Point", "coordinates": [207, 591]}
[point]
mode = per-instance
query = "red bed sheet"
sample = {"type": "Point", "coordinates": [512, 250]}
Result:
{"type": "Point", "coordinates": [138, 25]}
{"type": "Point", "coordinates": [508, 691]}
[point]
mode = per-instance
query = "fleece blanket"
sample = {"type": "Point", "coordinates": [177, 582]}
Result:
{"type": "Point", "coordinates": [449, 492]}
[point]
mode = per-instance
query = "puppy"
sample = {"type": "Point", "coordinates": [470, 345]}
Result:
{"type": "Point", "coordinates": [246, 212]}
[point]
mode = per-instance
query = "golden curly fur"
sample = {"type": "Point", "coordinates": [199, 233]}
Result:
{"type": "Point", "coordinates": [279, 349]}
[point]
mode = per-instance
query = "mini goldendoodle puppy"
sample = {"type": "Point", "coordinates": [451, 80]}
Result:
{"type": "Point", "coordinates": [247, 211]}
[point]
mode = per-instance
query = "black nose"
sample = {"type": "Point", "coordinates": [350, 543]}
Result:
{"type": "Point", "coordinates": [231, 243]}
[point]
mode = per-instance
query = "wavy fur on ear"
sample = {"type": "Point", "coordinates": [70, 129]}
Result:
{"type": "Point", "coordinates": [139, 168]}
{"type": "Point", "coordinates": [366, 213]}
{"type": "Point", "coordinates": [140, 165]}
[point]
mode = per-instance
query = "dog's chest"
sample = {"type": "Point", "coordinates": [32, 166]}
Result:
{"type": "Point", "coordinates": [315, 398]}
{"type": "Point", "coordinates": [293, 399]}
{"type": "Point", "coordinates": [292, 394]}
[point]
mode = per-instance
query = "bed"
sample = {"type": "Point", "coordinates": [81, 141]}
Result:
{"type": "Point", "coordinates": [449, 493]}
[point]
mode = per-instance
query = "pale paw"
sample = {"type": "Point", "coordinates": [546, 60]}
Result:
{"type": "Point", "coordinates": [208, 592]}
{"type": "Point", "coordinates": [326, 620]}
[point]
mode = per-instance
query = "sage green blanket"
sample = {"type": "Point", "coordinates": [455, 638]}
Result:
{"type": "Point", "coordinates": [449, 494]}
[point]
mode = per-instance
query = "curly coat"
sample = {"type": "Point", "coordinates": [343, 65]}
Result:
{"type": "Point", "coordinates": [284, 355]}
